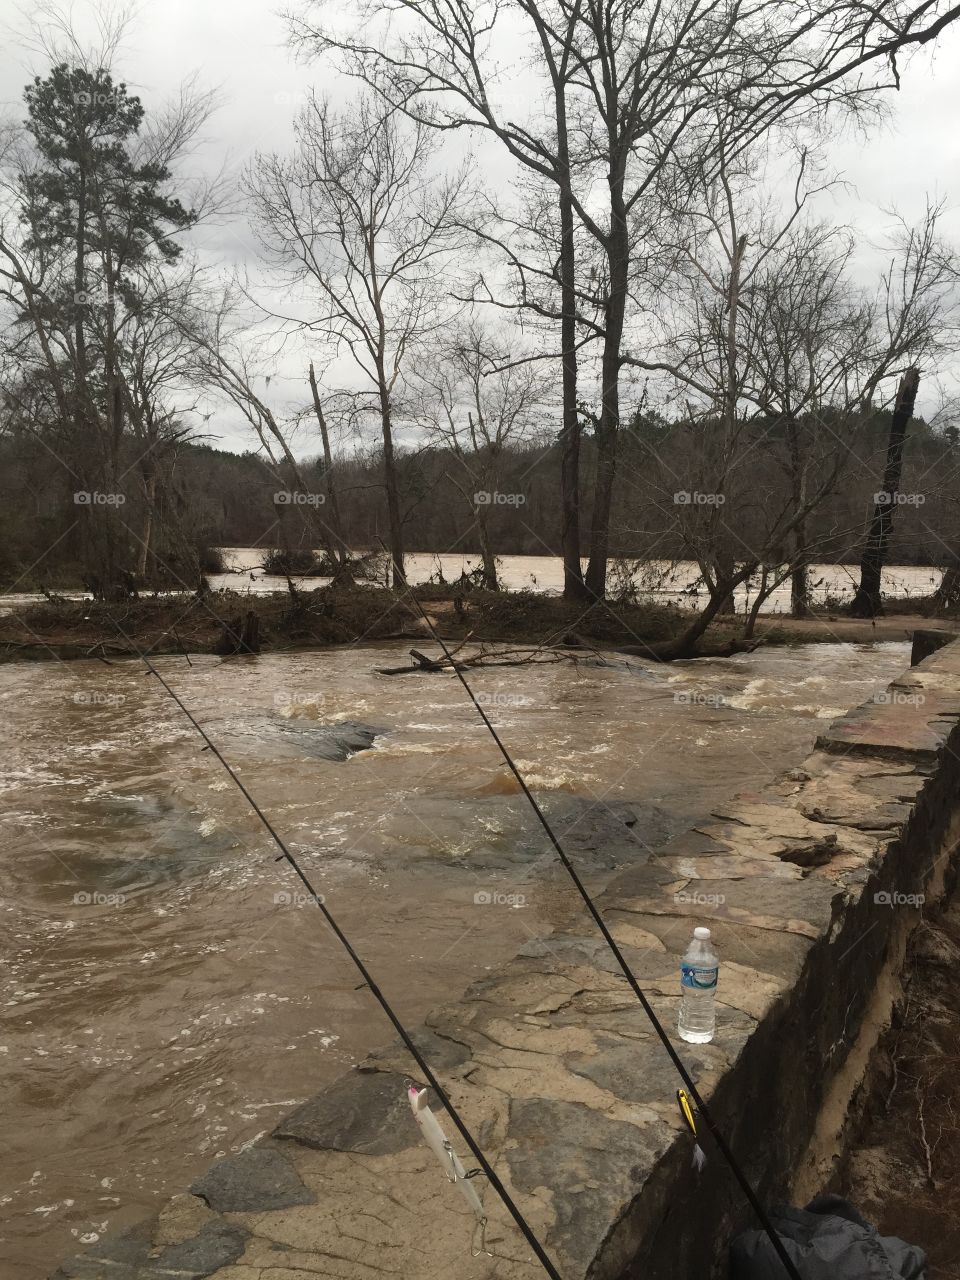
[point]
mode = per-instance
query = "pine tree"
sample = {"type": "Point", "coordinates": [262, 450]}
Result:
{"type": "Point", "coordinates": [101, 214]}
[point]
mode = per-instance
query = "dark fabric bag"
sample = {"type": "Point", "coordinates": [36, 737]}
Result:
{"type": "Point", "coordinates": [826, 1241]}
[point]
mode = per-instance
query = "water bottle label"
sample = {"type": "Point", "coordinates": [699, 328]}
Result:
{"type": "Point", "coordinates": [696, 978]}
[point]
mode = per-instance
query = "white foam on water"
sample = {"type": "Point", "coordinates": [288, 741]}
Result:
{"type": "Point", "coordinates": [399, 750]}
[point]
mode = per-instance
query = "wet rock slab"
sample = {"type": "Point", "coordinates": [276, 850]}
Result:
{"type": "Point", "coordinates": [364, 1112]}
{"type": "Point", "coordinates": [334, 742]}
{"type": "Point", "coordinates": [259, 1178]}
{"type": "Point", "coordinates": [134, 1255]}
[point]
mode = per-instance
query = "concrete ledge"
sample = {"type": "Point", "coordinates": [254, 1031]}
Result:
{"type": "Point", "coordinates": [807, 886]}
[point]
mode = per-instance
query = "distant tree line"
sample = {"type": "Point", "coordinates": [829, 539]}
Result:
{"type": "Point", "coordinates": [218, 498]}
{"type": "Point", "coordinates": [645, 345]}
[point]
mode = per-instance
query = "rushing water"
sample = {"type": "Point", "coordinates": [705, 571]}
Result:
{"type": "Point", "coordinates": [167, 995]}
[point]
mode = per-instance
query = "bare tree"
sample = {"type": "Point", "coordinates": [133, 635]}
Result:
{"type": "Point", "coordinates": [445, 77]}
{"type": "Point", "coordinates": [478, 403]}
{"type": "Point", "coordinates": [359, 220]}
{"type": "Point", "coordinates": [228, 355]}
{"type": "Point", "coordinates": [335, 520]}
{"type": "Point", "coordinates": [920, 317]}
{"type": "Point", "coordinates": [776, 355]}
{"type": "Point", "coordinates": [753, 333]}
{"type": "Point", "coordinates": [637, 84]}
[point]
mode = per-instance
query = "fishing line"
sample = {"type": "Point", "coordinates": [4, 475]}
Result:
{"type": "Point", "coordinates": [378, 995]}
{"type": "Point", "coordinates": [675, 1058]}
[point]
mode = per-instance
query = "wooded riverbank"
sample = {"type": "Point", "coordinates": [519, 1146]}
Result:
{"type": "Point", "coordinates": [65, 629]}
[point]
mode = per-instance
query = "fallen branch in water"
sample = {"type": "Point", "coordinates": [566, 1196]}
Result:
{"type": "Point", "coordinates": [80, 647]}
{"type": "Point", "coordinates": [515, 657]}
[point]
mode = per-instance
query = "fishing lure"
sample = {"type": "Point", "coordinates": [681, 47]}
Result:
{"type": "Point", "coordinates": [450, 1162]}
{"type": "Point", "coordinates": [699, 1158]}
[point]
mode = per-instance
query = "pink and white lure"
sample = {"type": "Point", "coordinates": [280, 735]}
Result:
{"type": "Point", "coordinates": [439, 1144]}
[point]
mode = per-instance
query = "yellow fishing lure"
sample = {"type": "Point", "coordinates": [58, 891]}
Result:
{"type": "Point", "coordinates": [699, 1159]}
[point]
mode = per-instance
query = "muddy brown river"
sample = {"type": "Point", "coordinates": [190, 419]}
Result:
{"type": "Point", "coordinates": [168, 995]}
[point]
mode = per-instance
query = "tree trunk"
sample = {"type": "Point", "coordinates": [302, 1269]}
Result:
{"type": "Point", "coordinates": [320, 525]}
{"type": "Point", "coordinates": [239, 636]}
{"type": "Point", "coordinates": [596, 580]}
{"type": "Point", "coordinates": [754, 614]}
{"type": "Point", "coordinates": [685, 645]}
{"type": "Point", "coordinates": [486, 552]}
{"type": "Point", "coordinates": [391, 484]}
{"type": "Point", "coordinates": [867, 602]}
{"type": "Point", "coordinates": [608, 427]}
{"type": "Point", "coordinates": [573, 584]}
{"type": "Point", "coordinates": [799, 580]}
{"type": "Point", "coordinates": [724, 569]}
{"type": "Point", "coordinates": [799, 573]}
{"type": "Point", "coordinates": [150, 494]}
{"type": "Point", "coordinates": [341, 552]}
{"type": "Point", "coordinates": [799, 586]}
{"type": "Point", "coordinates": [79, 272]}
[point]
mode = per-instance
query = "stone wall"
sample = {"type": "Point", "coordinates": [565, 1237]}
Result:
{"type": "Point", "coordinates": [806, 885]}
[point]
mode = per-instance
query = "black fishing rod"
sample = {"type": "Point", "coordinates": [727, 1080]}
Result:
{"type": "Point", "coordinates": [675, 1058]}
{"type": "Point", "coordinates": [428, 1075]}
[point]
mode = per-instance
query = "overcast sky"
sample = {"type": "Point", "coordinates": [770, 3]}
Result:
{"type": "Point", "coordinates": [240, 47]}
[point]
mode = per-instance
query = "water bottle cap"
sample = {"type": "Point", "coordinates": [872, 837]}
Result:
{"type": "Point", "coordinates": [701, 934]}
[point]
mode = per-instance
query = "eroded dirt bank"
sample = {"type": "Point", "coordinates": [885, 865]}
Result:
{"type": "Point", "coordinates": [904, 1170]}
{"type": "Point", "coordinates": [328, 616]}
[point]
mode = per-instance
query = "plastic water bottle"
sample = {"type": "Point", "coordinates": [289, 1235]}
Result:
{"type": "Point", "coordinates": [698, 986]}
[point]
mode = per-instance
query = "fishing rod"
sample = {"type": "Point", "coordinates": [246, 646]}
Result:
{"type": "Point", "coordinates": [628, 973]}
{"type": "Point", "coordinates": [428, 1075]}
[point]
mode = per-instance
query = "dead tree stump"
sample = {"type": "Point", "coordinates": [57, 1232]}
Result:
{"type": "Point", "coordinates": [239, 636]}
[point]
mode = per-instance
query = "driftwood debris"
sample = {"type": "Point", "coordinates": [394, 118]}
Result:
{"type": "Point", "coordinates": [420, 663]}
{"type": "Point", "coordinates": [573, 648]}
{"type": "Point", "coordinates": [516, 657]}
